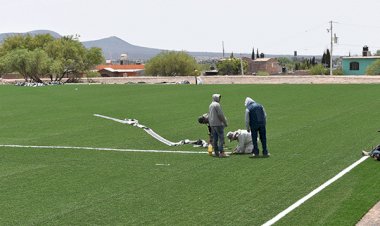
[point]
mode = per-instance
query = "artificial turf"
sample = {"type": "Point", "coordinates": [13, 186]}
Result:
{"type": "Point", "coordinates": [314, 132]}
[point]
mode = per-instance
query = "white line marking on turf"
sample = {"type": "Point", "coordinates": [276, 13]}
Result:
{"type": "Point", "coordinates": [100, 149]}
{"type": "Point", "coordinates": [314, 192]}
{"type": "Point", "coordinates": [161, 164]}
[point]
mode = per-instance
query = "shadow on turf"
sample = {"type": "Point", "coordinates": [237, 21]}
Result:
{"type": "Point", "coordinates": [250, 155]}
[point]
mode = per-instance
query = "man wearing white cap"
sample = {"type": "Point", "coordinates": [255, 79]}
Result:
{"type": "Point", "coordinates": [244, 139]}
{"type": "Point", "coordinates": [255, 121]}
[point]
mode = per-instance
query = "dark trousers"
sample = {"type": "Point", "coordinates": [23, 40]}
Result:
{"type": "Point", "coordinates": [217, 133]}
{"type": "Point", "coordinates": [263, 138]}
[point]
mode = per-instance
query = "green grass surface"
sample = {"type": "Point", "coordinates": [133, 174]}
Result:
{"type": "Point", "coordinates": [314, 132]}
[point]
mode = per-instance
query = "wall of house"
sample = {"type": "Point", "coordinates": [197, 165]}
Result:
{"type": "Point", "coordinates": [105, 73]}
{"type": "Point", "coordinates": [363, 64]}
{"type": "Point", "coordinates": [270, 66]}
{"type": "Point", "coordinates": [273, 67]}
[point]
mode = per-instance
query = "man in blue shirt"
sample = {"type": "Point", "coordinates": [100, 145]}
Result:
{"type": "Point", "coordinates": [255, 121]}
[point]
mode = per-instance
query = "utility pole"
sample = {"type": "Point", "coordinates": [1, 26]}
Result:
{"type": "Point", "coordinates": [223, 48]}
{"type": "Point", "coordinates": [241, 65]}
{"type": "Point", "coordinates": [331, 48]}
{"type": "Point", "coordinates": [332, 40]}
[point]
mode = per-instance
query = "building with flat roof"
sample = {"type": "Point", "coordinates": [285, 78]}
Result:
{"type": "Point", "coordinates": [117, 70]}
{"type": "Point", "coordinates": [357, 65]}
{"type": "Point", "coordinates": [269, 65]}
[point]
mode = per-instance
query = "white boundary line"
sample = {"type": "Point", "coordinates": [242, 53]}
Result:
{"type": "Point", "coordinates": [100, 149]}
{"type": "Point", "coordinates": [314, 192]}
{"type": "Point", "coordinates": [268, 223]}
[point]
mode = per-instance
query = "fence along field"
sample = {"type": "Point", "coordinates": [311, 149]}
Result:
{"type": "Point", "coordinates": [314, 132]}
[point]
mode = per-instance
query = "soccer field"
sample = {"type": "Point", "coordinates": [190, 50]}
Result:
{"type": "Point", "coordinates": [314, 132]}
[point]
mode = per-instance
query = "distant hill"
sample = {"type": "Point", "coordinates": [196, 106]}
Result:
{"type": "Point", "coordinates": [36, 32]}
{"type": "Point", "coordinates": [113, 47]}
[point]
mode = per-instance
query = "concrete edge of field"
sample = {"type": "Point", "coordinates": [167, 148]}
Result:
{"type": "Point", "coordinates": [372, 217]}
{"type": "Point", "coordinates": [228, 79]}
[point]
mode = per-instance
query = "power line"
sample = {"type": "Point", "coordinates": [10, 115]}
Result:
{"type": "Point", "coordinates": [355, 45]}
{"type": "Point", "coordinates": [359, 25]}
{"type": "Point", "coordinates": [299, 33]}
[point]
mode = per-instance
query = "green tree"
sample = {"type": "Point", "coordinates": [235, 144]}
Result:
{"type": "Point", "coordinates": [4, 65]}
{"type": "Point", "coordinates": [172, 63]}
{"type": "Point", "coordinates": [231, 66]}
{"type": "Point", "coordinates": [42, 55]}
{"type": "Point", "coordinates": [68, 55]}
{"type": "Point", "coordinates": [313, 62]}
{"type": "Point", "coordinates": [38, 64]}
{"type": "Point", "coordinates": [28, 42]}
{"type": "Point", "coordinates": [30, 64]}
{"type": "Point", "coordinates": [18, 61]}
{"type": "Point", "coordinates": [323, 61]}
{"type": "Point", "coordinates": [71, 58]}
{"type": "Point", "coordinates": [328, 57]}
{"type": "Point", "coordinates": [296, 66]}
{"type": "Point", "coordinates": [93, 57]}
{"type": "Point", "coordinates": [286, 62]}
{"type": "Point", "coordinates": [374, 68]}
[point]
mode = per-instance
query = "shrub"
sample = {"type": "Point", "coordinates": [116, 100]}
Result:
{"type": "Point", "coordinates": [319, 69]}
{"type": "Point", "coordinates": [92, 74]}
{"type": "Point", "coordinates": [262, 73]}
{"type": "Point", "coordinates": [374, 68]}
{"type": "Point", "coordinates": [338, 71]}
{"type": "Point", "coordinates": [172, 63]}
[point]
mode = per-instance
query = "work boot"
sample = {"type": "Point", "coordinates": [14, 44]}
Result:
{"type": "Point", "coordinates": [254, 156]}
{"type": "Point", "coordinates": [223, 155]}
{"type": "Point", "coordinates": [215, 154]}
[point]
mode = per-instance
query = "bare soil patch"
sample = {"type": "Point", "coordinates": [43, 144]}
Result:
{"type": "Point", "coordinates": [230, 79]}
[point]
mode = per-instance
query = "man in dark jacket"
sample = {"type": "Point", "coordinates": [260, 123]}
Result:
{"type": "Point", "coordinates": [255, 121]}
{"type": "Point", "coordinates": [217, 123]}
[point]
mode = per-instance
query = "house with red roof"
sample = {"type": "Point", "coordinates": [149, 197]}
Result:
{"type": "Point", "coordinates": [117, 70]}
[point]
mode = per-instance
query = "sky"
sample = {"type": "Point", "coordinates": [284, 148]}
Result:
{"type": "Point", "coordinates": [272, 26]}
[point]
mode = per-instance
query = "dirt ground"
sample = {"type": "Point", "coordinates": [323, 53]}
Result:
{"type": "Point", "coordinates": [372, 218]}
{"type": "Point", "coordinates": [290, 79]}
